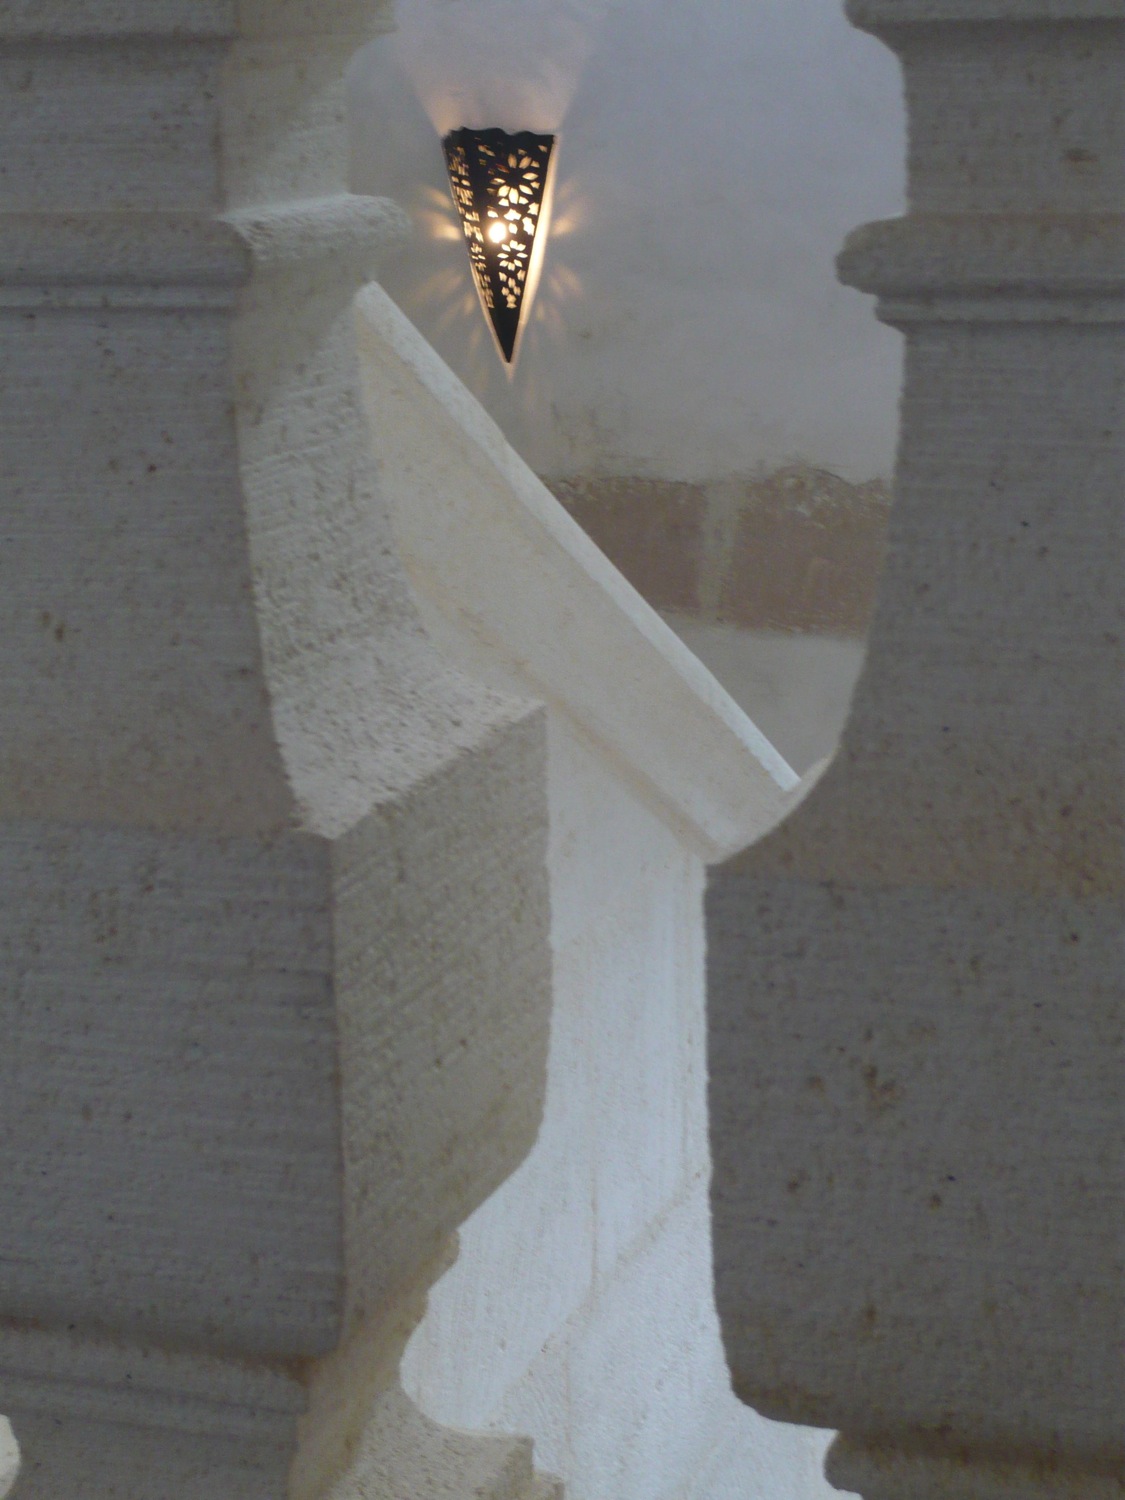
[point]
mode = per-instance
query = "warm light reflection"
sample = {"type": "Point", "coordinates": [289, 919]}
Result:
{"type": "Point", "coordinates": [497, 233]}
{"type": "Point", "coordinates": [443, 301]}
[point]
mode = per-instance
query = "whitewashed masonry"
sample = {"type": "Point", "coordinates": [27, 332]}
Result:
{"type": "Point", "coordinates": [581, 1310]}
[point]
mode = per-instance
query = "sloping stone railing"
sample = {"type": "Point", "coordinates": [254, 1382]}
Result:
{"type": "Point", "coordinates": [581, 1308]}
{"type": "Point", "coordinates": [276, 966]}
{"type": "Point", "coordinates": [515, 589]}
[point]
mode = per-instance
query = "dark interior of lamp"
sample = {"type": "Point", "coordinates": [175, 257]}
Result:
{"type": "Point", "coordinates": [498, 183]}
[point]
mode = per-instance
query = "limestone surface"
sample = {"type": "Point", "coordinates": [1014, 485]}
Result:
{"type": "Point", "coordinates": [916, 982]}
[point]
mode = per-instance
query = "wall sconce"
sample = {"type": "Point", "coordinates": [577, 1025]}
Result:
{"type": "Point", "coordinates": [499, 182]}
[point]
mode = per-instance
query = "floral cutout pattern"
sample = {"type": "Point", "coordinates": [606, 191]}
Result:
{"type": "Point", "coordinates": [498, 183]}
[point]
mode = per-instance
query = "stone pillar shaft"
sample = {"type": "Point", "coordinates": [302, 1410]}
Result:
{"type": "Point", "coordinates": [274, 945]}
{"type": "Point", "coordinates": [916, 982]}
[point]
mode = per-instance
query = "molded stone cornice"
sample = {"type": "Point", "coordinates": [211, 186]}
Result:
{"type": "Point", "coordinates": [351, 230]}
{"type": "Point", "coordinates": [187, 260]}
{"type": "Point", "coordinates": [115, 1381]}
{"type": "Point", "coordinates": [320, 23]}
{"type": "Point", "coordinates": [116, 260]}
{"type": "Point", "coordinates": [892, 1473]}
{"type": "Point", "coordinates": [183, 20]}
{"type": "Point", "coordinates": [1033, 267]}
{"type": "Point", "coordinates": [876, 15]}
{"type": "Point", "coordinates": [1053, 255]}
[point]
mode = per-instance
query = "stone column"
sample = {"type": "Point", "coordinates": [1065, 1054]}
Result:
{"type": "Point", "coordinates": [916, 982]}
{"type": "Point", "coordinates": [274, 949]}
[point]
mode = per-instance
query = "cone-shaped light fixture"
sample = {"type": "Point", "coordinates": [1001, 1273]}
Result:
{"type": "Point", "coordinates": [498, 183]}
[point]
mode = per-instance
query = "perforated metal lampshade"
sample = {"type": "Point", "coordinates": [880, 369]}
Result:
{"type": "Point", "coordinates": [498, 182]}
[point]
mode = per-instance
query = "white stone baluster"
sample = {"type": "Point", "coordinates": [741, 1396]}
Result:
{"type": "Point", "coordinates": [274, 957]}
{"type": "Point", "coordinates": [916, 982]}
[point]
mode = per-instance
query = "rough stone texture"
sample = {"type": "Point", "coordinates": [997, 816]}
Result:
{"type": "Point", "coordinates": [771, 583]}
{"type": "Point", "coordinates": [916, 982]}
{"type": "Point", "coordinates": [274, 960]}
{"type": "Point", "coordinates": [797, 551]}
{"type": "Point", "coordinates": [72, 20]}
{"type": "Point", "coordinates": [274, 940]}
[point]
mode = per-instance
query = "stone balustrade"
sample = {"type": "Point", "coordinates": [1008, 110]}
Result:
{"type": "Point", "coordinates": [276, 962]}
{"type": "Point", "coordinates": [353, 814]}
{"type": "Point", "coordinates": [302, 861]}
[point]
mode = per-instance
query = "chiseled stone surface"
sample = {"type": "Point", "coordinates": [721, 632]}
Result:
{"type": "Point", "coordinates": [274, 957]}
{"type": "Point", "coordinates": [275, 954]}
{"type": "Point", "coordinates": [580, 1309]}
{"type": "Point", "coordinates": [916, 983]}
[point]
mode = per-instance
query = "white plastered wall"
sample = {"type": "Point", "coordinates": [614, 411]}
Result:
{"type": "Point", "coordinates": [688, 323]}
{"type": "Point", "coordinates": [580, 1310]}
{"type": "Point", "coordinates": [712, 157]}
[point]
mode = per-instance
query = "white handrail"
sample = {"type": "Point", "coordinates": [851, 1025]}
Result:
{"type": "Point", "coordinates": [535, 604]}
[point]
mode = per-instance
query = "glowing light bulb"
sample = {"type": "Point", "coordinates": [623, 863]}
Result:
{"type": "Point", "coordinates": [497, 233]}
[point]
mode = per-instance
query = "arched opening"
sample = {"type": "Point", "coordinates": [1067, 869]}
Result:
{"type": "Point", "coordinates": [692, 400]}
{"type": "Point", "coordinates": [704, 398]}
